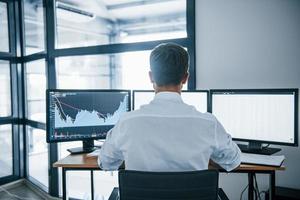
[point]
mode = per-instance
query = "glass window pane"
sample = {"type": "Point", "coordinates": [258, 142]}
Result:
{"type": "Point", "coordinates": [133, 69]}
{"type": "Point", "coordinates": [95, 22]}
{"type": "Point", "coordinates": [6, 158]}
{"type": "Point", "coordinates": [122, 71]}
{"type": "Point", "coordinates": [36, 90]}
{"type": "Point", "coordinates": [76, 190]}
{"type": "Point", "coordinates": [73, 176]}
{"type": "Point", "coordinates": [104, 183]}
{"type": "Point", "coordinates": [37, 155]}
{"type": "Point", "coordinates": [34, 26]}
{"type": "Point", "coordinates": [112, 71]}
{"type": "Point", "coordinates": [4, 38]}
{"type": "Point", "coordinates": [81, 72]}
{"type": "Point", "coordinates": [5, 93]}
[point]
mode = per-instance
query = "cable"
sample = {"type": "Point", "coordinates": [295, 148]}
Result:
{"type": "Point", "coordinates": [13, 195]}
{"type": "Point", "coordinates": [241, 196]}
{"type": "Point", "coordinates": [256, 188]}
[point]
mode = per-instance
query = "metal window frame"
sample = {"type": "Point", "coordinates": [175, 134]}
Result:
{"type": "Point", "coordinates": [13, 120]}
{"type": "Point", "coordinates": [50, 54]}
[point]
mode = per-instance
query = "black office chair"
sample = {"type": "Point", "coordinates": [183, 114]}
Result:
{"type": "Point", "coordinates": [194, 185]}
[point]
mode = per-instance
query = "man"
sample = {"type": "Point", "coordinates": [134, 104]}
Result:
{"type": "Point", "coordinates": [167, 134]}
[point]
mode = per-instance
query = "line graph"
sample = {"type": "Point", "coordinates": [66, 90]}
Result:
{"type": "Point", "coordinates": [64, 116]}
{"type": "Point", "coordinates": [88, 110]}
{"type": "Point", "coordinates": [76, 115]}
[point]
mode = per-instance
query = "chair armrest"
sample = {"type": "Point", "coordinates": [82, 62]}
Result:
{"type": "Point", "coordinates": [114, 194]}
{"type": "Point", "coordinates": [222, 195]}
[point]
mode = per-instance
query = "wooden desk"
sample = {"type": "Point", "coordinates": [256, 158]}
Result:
{"type": "Point", "coordinates": [83, 162]}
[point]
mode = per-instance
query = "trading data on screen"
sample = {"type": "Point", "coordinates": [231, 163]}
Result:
{"type": "Point", "coordinates": [79, 115]}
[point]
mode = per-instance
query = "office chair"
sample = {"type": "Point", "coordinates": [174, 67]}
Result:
{"type": "Point", "coordinates": [194, 185]}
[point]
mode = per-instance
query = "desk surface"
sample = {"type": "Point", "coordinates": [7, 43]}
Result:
{"type": "Point", "coordinates": [82, 161]}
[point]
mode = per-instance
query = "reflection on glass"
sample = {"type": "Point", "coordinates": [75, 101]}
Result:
{"type": "Point", "coordinates": [5, 94]}
{"type": "Point", "coordinates": [6, 159]}
{"type": "Point", "coordinates": [4, 38]}
{"type": "Point", "coordinates": [37, 155]}
{"type": "Point", "coordinates": [36, 90]}
{"type": "Point", "coordinates": [34, 26]}
{"type": "Point", "coordinates": [95, 22]}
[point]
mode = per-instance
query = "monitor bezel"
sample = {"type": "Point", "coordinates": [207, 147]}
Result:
{"type": "Point", "coordinates": [76, 90]}
{"type": "Point", "coordinates": [264, 91]}
{"type": "Point", "coordinates": [183, 91]}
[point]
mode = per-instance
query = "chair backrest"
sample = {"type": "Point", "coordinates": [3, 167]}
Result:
{"type": "Point", "coordinates": [194, 185]}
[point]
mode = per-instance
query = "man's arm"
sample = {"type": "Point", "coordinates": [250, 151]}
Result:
{"type": "Point", "coordinates": [226, 153]}
{"type": "Point", "coordinates": [111, 156]}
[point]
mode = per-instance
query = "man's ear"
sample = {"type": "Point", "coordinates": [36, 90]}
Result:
{"type": "Point", "coordinates": [151, 77]}
{"type": "Point", "coordinates": [185, 78]}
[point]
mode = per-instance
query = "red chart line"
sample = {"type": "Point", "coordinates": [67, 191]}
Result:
{"type": "Point", "coordinates": [78, 109]}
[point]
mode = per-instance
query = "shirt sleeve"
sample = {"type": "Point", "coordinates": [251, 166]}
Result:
{"type": "Point", "coordinates": [226, 153]}
{"type": "Point", "coordinates": [111, 156]}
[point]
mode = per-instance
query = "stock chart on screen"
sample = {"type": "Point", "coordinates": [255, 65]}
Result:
{"type": "Point", "coordinates": [82, 114]}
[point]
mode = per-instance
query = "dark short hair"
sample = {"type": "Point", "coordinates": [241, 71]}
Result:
{"type": "Point", "coordinates": [169, 63]}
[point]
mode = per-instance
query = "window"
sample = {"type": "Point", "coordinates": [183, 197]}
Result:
{"type": "Point", "coordinates": [37, 155]}
{"type": "Point", "coordinates": [5, 92]}
{"type": "Point", "coordinates": [34, 26]}
{"type": "Point", "coordinates": [121, 71]}
{"type": "Point", "coordinates": [83, 72]}
{"type": "Point", "coordinates": [4, 44]}
{"type": "Point", "coordinates": [116, 71]}
{"type": "Point", "coordinates": [132, 69]}
{"type": "Point", "coordinates": [36, 90]}
{"type": "Point", "coordinates": [124, 32]}
{"type": "Point", "coordinates": [96, 22]}
{"type": "Point", "coordinates": [6, 156]}
{"type": "Point", "coordinates": [76, 190]}
{"type": "Point", "coordinates": [104, 183]}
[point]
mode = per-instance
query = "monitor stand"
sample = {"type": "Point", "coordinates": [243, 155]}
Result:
{"type": "Point", "coordinates": [87, 147]}
{"type": "Point", "coordinates": [257, 148]}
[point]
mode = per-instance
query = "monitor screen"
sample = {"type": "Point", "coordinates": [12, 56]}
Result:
{"type": "Point", "coordinates": [196, 98]}
{"type": "Point", "coordinates": [257, 115]}
{"type": "Point", "coordinates": [84, 114]}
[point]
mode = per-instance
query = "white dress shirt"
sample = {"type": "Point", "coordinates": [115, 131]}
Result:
{"type": "Point", "coordinates": [168, 135]}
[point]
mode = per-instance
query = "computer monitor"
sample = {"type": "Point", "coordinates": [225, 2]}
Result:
{"type": "Point", "coordinates": [258, 116]}
{"type": "Point", "coordinates": [197, 98]}
{"type": "Point", "coordinates": [84, 114]}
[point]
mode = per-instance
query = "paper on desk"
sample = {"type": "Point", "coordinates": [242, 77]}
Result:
{"type": "Point", "coordinates": [94, 153]}
{"type": "Point", "coordinates": [249, 158]}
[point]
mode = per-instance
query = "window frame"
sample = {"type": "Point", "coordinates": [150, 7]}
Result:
{"type": "Point", "coordinates": [14, 119]}
{"type": "Point", "coordinates": [50, 53]}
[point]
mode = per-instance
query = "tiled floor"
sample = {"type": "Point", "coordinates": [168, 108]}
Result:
{"type": "Point", "coordinates": [22, 191]}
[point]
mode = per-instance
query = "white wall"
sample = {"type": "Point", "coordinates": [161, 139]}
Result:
{"type": "Point", "coordinates": [250, 44]}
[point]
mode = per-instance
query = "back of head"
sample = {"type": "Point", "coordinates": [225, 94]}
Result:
{"type": "Point", "coordinates": [169, 64]}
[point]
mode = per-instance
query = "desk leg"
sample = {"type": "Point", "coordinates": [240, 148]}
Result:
{"type": "Point", "coordinates": [272, 185]}
{"type": "Point", "coordinates": [250, 186]}
{"type": "Point", "coordinates": [64, 184]}
{"type": "Point", "coordinates": [92, 184]}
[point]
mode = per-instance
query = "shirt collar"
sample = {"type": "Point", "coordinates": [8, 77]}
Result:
{"type": "Point", "coordinates": [173, 96]}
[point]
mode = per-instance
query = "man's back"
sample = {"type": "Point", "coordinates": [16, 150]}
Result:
{"type": "Point", "coordinates": [168, 135]}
